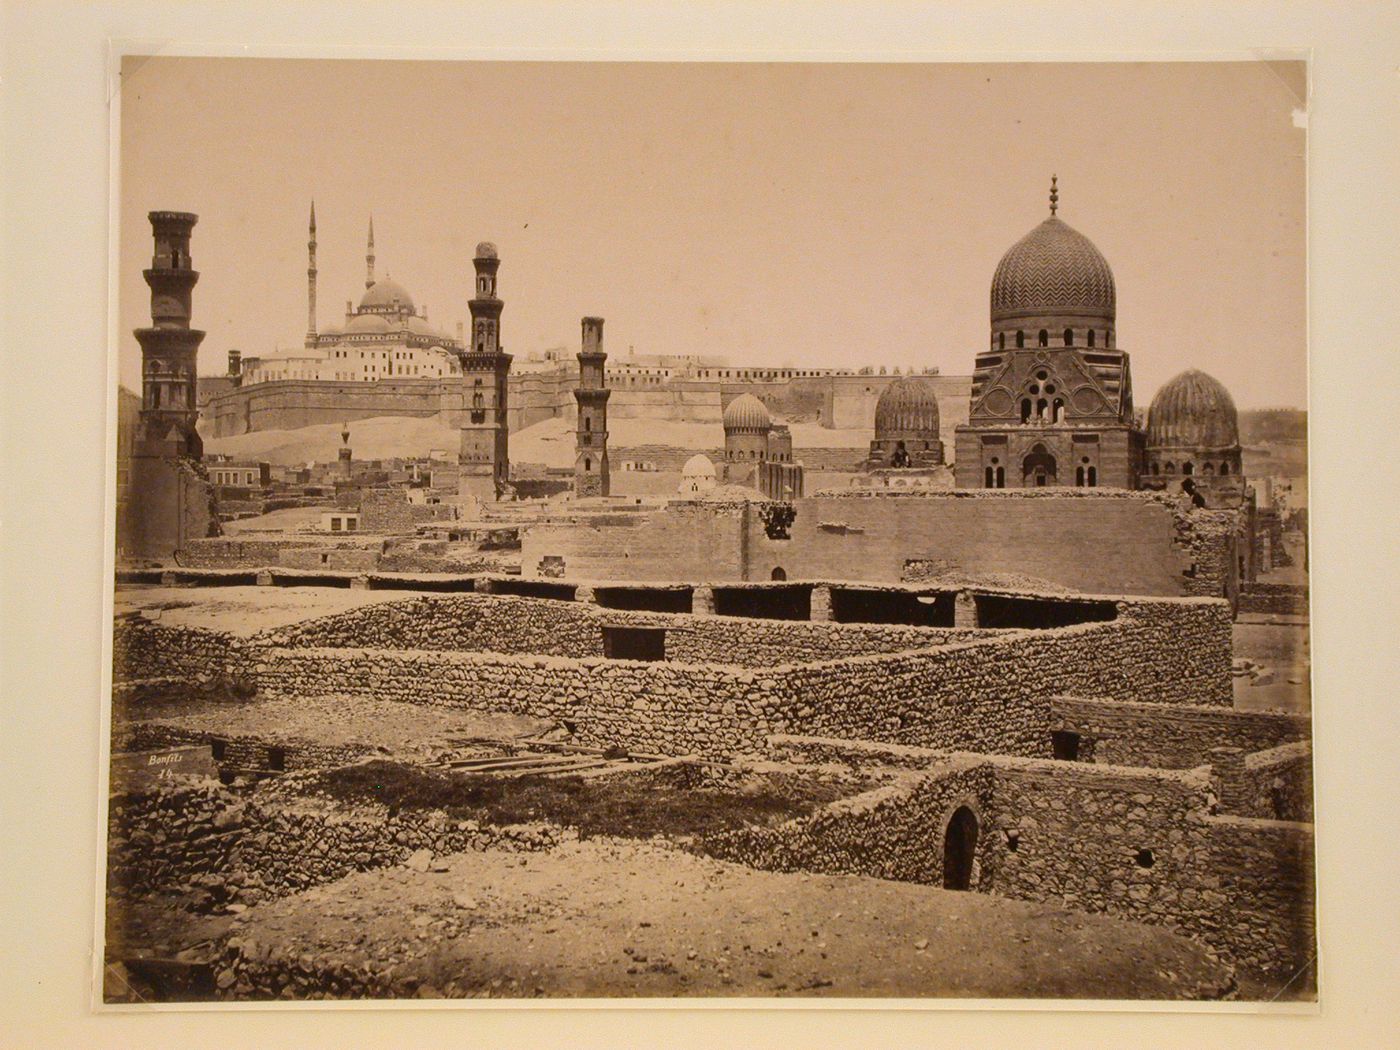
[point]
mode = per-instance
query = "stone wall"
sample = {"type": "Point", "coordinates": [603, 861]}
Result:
{"type": "Point", "coordinates": [1135, 843]}
{"type": "Point", "coordinates": [228, 553]}
{"type": "Point", "coordinates": [1278, 783]}
{"type": "Point", "coordinates": [544, 627]}
{"type": "Point", "coordinates": [1126, 733]}
{"type": "Point", "coordinates": [143, 649]}
{"type": "Point", "coordinates": [1091, 540]}
{"type": "Point", "coordinates": [1278, 599]}
{"type": "Point", "coordinates": [238, 751]}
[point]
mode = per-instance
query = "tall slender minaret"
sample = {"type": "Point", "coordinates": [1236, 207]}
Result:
{"type": "Point", "coordinates": [311, 283]}
{"type": "Point", "coordinates": [591, 474]}
{"type": "Point", "coordinates": [369, 256]}
{"type": "Point", "coordinates": [170, 501]}
{"type": "Point", "coordinates": [484, 459]}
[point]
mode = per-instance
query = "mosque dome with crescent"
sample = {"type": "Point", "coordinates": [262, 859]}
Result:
{"type": "Point", "coordinates": [1054, 271]}
{"type": "Point", "coordinates": [1194, 411]}
{"type": "Point", "coordinates": [908, 406]}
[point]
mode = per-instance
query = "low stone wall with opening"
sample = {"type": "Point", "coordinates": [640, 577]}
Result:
{"type": "Point", "coordinates": [239, 751]}
{"type": "Point", "coordinates": [539, 626]}
{"type": "Point", "coordinates": [1126, 733]}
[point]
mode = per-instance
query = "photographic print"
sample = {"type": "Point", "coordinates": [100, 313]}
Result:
{"type": "Point", "coordinates": [659, 530]}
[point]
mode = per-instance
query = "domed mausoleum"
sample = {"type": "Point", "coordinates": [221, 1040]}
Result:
{"type": "Point", "coordinates": [906, 426]}
{"type": "Point", "coordinates": [697, 476]}
{"type": "Point", "coordinates": [1193, 431]}
{"type": "Point", "coordinates": [747, 426]}
{"type": "Point", "coordinates": [1052, 397]}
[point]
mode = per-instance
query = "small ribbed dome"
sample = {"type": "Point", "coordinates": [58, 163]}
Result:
{"type": "Point", "coordinates": [698, 466]}
{"type": "Point", "coordinates": [486, 250]}
{"type": "Point", "coordinates": [1193, 410]}
{"type": "Point", "coordinates": [1053, 270]}
{"type": "Point", "coordinates": [381, 295]}
{"type": "Point", "coordinates": [747, 412]}
{"type": "Point", "coordinates": [907, 406]}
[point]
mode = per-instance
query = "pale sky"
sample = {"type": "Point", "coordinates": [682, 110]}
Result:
{"type": "Point", "coordinates": [778, 214]}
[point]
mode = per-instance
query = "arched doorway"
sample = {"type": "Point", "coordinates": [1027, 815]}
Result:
{"type": "Point", "coordinates": [959, 849]}
{"type": "Point", "coordinates": [1038, 469]}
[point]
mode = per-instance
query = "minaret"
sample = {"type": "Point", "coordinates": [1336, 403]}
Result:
{"type": "Point", "coordinates": [170, 500]}
{"type": "Point", "coordinates": [344, 465]}
{"type": "Point", "coordinates": [484, 459]}
{"type": "Point", "coordinates": [311, 282]}
{"type": "Point", "coordinates": [591, 476]}
{"type": "Point", "coordinates": [369, 256]}
{"type": "Point", "coordinates": [170, 345]}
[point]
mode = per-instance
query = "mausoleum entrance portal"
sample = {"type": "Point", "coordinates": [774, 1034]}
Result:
{"type": "Point", "coordinates": [1038, 469]}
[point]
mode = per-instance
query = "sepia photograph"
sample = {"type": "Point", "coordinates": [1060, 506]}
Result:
{"type": "Point", "coordinates": [624, 531]}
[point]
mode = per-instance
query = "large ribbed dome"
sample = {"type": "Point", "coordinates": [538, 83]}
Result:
{"type": "Point", "coordinates": [1193, 410]}
{"type": "Point", "coordinates": [381, 295]}
{"type": "Point", "coordinates": [1053, 271]}
{"type": "Point", "coordinates": [907, 406]}
{"type": "Point", "coordinates": [747, 412]}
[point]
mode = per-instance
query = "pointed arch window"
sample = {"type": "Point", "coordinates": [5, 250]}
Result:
{"type": "Point", "coordinates": [1069, 337]}
{"type": "Point", "coordinates": [1091, 337]}
{"type": "Point", "coordinates": [1020, 340]}
{"type": "Point", "coordinates": [1044, 337]}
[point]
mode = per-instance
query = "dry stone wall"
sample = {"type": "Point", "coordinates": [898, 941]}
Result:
{"type": "Point", "coordinates": [539, 626]}
{"type": "Point", "coordinates": [1278, 783]}
{"type": "Point", "coordinates": [1277, 599]}
{"type": "Point", "coordinates": [1126, 733]}
{"type": "Point", "coordinates": [239, 752]}
{"type": "Point", "coordinates": [142, 649]}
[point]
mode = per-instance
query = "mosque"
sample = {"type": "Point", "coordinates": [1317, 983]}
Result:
{"type": "Point", "coordinates": [386, 336]}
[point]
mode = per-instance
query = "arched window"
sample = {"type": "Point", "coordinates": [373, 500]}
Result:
{"type": "Point", "coordinates": [1224, 469]}
{"type": "Point", "coordinates": [1169, 468]}
{"type": "Point", "coordinates": [1079, 476]}
{"type": "Point", "coordinates": [587, 464]}
{"type": "Point", "coordinates": [1091, 337]}
{"type": "Point", "coordinates": [1188, 467]}
{"type": "Point", "coordinates": [1207, 468]}
{"type": "Point", "coordinates": [1001, 340]}
{"type": "Point", "coordinates": [989, 479]}
{"type": "Point", "coordinates": [1042, 409]}
{"type": "Point", "coordinates": [778, 573]}
{"type": "Point", "coordinates": [1001, 477]}
{"type": "Point", "coordinates": [1059, 408]}
{"type": "Point", "coordinates": [1020, 340]}
{"type": "Point", "coordinates": [1044, 337]}
{"type": "Point", "coordinates": [587, 423]}
{"type": "Point", "coordinates": [1026, 410]}
{"type": "Point", "coordinates": [1069, 337]}
{"type": "Point", "coordinates": [1093, 477]}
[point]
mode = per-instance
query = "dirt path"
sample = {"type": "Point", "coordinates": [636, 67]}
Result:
{"type": "Point", "coordinates": [620, 919]}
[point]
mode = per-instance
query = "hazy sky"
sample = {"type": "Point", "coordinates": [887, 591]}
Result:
{"type": "Point", "coordinates": [777, 214]}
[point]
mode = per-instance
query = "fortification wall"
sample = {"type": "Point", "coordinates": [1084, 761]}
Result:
{"type": "Point", "coordinates": [1105, 543]}
{"type": "Point", "coordinates": [1126, 733]}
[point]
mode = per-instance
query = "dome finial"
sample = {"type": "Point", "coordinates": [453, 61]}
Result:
{"type": "Point", "coordinates": [1054, 194]}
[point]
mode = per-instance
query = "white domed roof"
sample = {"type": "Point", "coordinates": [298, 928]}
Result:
{"type": "Point", "coordinates": [698, 466]}
{"type": "Point", "coordinates": [381, 295]}
{"type": "Point", "coordinates": [747, 412]}
{"type": "Point", "coordinates": [368, 324]}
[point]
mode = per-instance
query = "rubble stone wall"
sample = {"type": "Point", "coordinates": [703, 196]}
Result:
{"type": "Point", "coordinates": [540, 626]}
{"type": "Point", "coordinates": [1274, 598]}
{"type": "Point", "coordinates": [1126, 733]}
{"type": "Point", "coordinates": [238, 751]}
{"type": "Point", "coordinates": [142, 649]}
{"type": "Point", "coordinates": [1278, 783]}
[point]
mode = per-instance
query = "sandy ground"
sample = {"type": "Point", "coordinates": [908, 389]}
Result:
{"type": "Point", "coordinates": [1280, 646]}
{"type": "Point", "coordinates": [549, 442]}
{"type": "Point", "coordinates": [624, 919]}
{"type": "Point", "coordinates": [246, 610]}
{"type": "Point", "coordinates": [338, 721]}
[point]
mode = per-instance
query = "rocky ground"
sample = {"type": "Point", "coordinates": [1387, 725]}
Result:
{"type": "Point", "coordinates": [1271, 664]}
{"type": "Point", "coordinates": [245, 610]}
{"type": "Point", "coordinates": [609, 918]}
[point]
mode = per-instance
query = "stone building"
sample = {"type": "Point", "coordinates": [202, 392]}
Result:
{"type": "Point", "coordinates": [1193, 432]}
{"type": "Point", "coordinates": [906, 426]}
{"type": "Point", "coordinates": [1052, 396]}
{"type": "Point", "coordinates": [747, 427]}
{"type": "Point", "coordinates": [697, 476]}
{"type": "Point", "coordinates": [387, 336]}
{"type": "Point", "coordinates": [484, 460]}
{"type": "Point", "coordinates": [591, 475]}
{"type": "Point", "coordinates": [170, 500]}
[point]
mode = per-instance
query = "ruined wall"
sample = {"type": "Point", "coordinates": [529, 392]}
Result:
{"type": "Point", "coordinates": [229, 553]}
{"type": "Point", "coordinates": [511, 624]}
{"type": "Point", "coordinates": [238, 751]}
{"type": "Point", "coordinates": [1090, 540]}
{"type": "Point", "coordinates": [1278, 784]}
{"type": "Point", "coordinates": [1274, 599]}
{"type": "Point", "coordinates": [1126, 733]}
